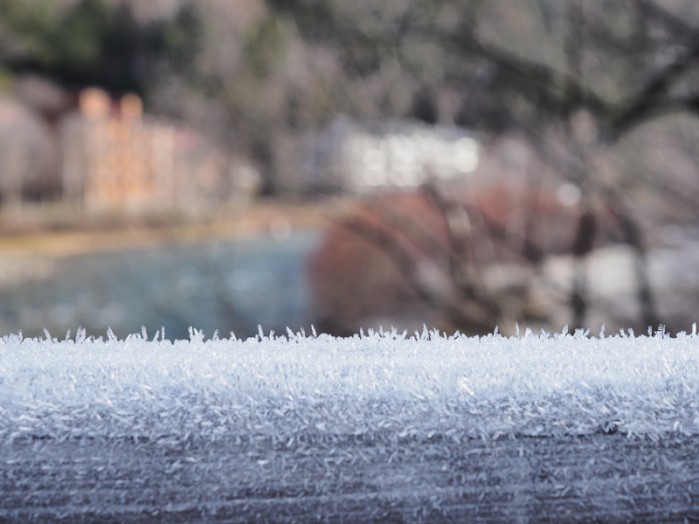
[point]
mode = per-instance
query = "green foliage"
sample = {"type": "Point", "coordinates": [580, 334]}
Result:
{"type": "Point", "coordinates": [5, 80]}
{"type": "Point", "coordinates": [317, 19]}
{"type": "Point", "coordinates": [179, 41]}
{"type": "Point", "coordinates": [95, 42]}
{"type": "Point", "coordinates": [51, 41]}
{"type": "Point", "coordinates": [264, 46]}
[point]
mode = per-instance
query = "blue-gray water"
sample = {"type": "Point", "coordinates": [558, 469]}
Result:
{"type": "Point", "coordinates": [224, 286]}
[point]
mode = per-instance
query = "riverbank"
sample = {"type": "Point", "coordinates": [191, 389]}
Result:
{"type": "Point", "coordinates": [73, 236]}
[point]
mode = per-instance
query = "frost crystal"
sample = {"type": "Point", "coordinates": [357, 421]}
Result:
{"type": "Point", "coordinates": [384, 384]}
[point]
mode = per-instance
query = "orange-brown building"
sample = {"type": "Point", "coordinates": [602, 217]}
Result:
{"type": "Point", "coordinates": [117, 159]}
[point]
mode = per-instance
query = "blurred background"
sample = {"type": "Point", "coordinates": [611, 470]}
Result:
{"type": "Point", "coordinates": [455, 164]}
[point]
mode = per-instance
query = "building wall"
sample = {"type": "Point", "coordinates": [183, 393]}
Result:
{"type": "Point", "coordinates": [356, 158]}
{"type": "Point", "coordinates": [116, 159]}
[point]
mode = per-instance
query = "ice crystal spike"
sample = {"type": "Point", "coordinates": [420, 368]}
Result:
{"type": "Point", "coordinates": [382, 384]}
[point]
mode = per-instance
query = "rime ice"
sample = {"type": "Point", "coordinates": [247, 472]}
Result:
{"type": "Point", "coordinates": [385, 385]}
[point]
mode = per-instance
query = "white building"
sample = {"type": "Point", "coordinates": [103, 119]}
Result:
{"type": "Point", "coordinates": [361, 158]}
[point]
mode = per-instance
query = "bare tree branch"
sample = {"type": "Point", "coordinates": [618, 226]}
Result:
{"type": "Point", "coordinates": [633, 236]}
{"type": "Point", "coordinates": [648, 109]}
{"type": "Point", "coordinates": [654, 97]}
{"type": "Point", "coordinates": [471, 313]}
{"type": "Point", "coordinates": [674, 24]}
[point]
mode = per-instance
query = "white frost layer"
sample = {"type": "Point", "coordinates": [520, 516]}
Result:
{"type": "Point", "coordinates": [382, 385]}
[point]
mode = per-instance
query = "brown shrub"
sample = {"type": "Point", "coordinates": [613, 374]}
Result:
{"type": "Point", "coordinates": [411, 258]}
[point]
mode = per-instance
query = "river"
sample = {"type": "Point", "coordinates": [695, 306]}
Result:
{"type": "Point", "coordinates": [219, 286]}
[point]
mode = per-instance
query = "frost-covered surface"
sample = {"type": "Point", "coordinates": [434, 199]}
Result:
{"type": "Point", "coordinates": [382, 385]}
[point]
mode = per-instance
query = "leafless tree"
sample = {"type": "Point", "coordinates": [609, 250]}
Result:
{"type": "Point", "coordinates": [576, 78]}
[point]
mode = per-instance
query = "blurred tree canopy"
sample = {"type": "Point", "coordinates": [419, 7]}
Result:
{"type": "Point", "coordinates": [254, 72]}
{"type": "Point", "coordinates": [95, 42]}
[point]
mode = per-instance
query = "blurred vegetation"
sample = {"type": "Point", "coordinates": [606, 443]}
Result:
{"type": "Point", "coordinates": [254, 72]}
{"type": "Point", "coordinates": [95, 43]}
{"type": "Point", "coordinates": [603, 91]}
